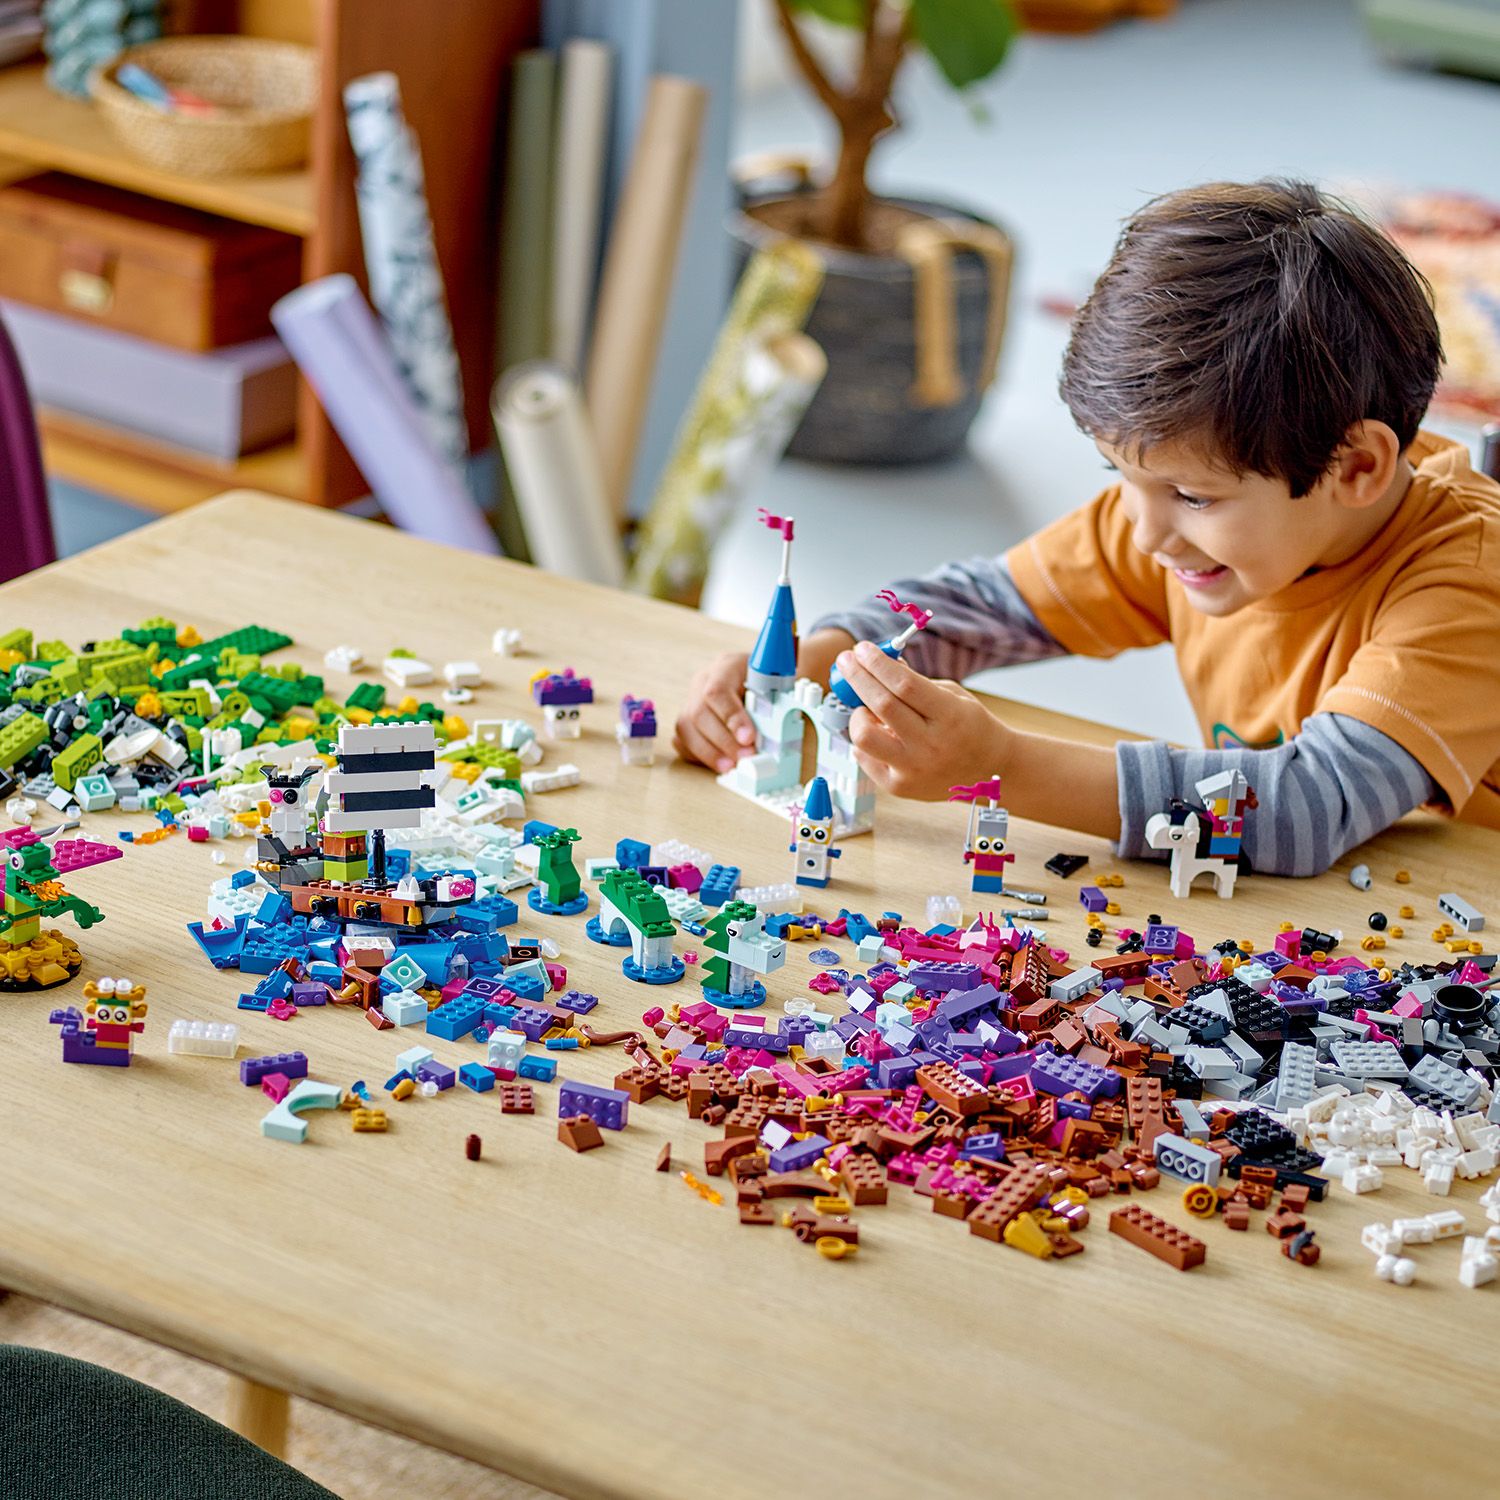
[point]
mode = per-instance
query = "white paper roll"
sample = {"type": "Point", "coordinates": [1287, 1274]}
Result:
{"type": "Point", "coordinates": [555, 472]}
{"type": "Point", "coordinates": [406, 284]}
{"type": "Point", "coordinates": [332, 334]}
{"type": "Point", "coordinates": [583, 108]}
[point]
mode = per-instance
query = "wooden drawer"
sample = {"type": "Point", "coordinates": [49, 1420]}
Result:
{"type": "Point", "coordinates": [184, 278]}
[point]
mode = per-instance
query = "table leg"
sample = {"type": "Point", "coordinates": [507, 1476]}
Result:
{"type": "Point", "coordinates": [259, 1413]}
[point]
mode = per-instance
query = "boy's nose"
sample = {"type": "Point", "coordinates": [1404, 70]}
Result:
{"type": "Point", "coordinates": [1153, 535]}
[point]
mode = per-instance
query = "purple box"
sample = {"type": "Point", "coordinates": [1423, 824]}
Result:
{"type": "Point", "coordinates": [224, 403]}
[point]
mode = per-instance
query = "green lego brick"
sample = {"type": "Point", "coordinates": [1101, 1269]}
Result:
{"type": "Point", "coordinates": [279, 693]}
{"type": "Point", "coordinates": [69, 676]}
{"type": "Point", "coordinates": [194, 666]}
{"type": "Point", "coordinates": [189, 703]}
{"type": "Point", "coordinates": [77, 760]}
{"type": "Point", "coordinates": [51, 651]}
{"type": "Point", "coordinates": [255, 639]}
{"type": "Point", "coordinates": [44, 691]}
{"type": "Point", "coordinates": [369, 696]}
{"type": "Point", "coordinates": [156, 631]}
{"type": "Point", "coordinates": [17, 640]}
{"type": "Point", "coordinates": [19, 738]}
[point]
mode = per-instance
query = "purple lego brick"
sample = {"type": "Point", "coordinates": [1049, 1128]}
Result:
{"type": "Point", "coordinates": [1016, 1066]}
{"type": "Point", "coordinates": [253, 1069]}
{"type": "Point", "coordinates": [438, 1073]}
{"type": "Point", "coordinates": [1073, 1110]}
{"type": "Point", "coordinates": [607, 1108]}
{"type": "Point", "coordinates": [1091, 898]}
{"type": "Point", "coordinates": [946, 977]}
{"type": "Point", "coordinates": [965, 1004]}
{"type": "Point", "coordinates": [562, 688]}
{"type": "Point", "coordinates": [796, 1155]}
{"type": "Point", "coordinates": [852, 1025]}
{"type": "Point", "coordinates": [895, 1072]}
{"type": "Point", "coordinates": [989, 1145]}
{"type": "Point", "coordinates": [531, 1022]}
{"type": "Point", "coordinates": [311, 993]}
{"type": "Point", "coordinates": [1058, 1073]}
{"type": "Point", "coordinates": [1159, 937]}
{"type": "Point", "coordinates": [576, 1001]}
{"type": "Point", "coordinates": [482, 988]}
{"type": "Point", "coordinates": [797, 1028]}
{"type": "Point", "coordinates": [751, 1036]}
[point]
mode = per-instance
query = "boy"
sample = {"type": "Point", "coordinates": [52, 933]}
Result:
{"type": "Point", "coordinates": [1254, 363]}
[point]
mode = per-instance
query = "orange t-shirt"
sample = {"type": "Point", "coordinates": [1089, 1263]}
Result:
{"type": "Point", "coordinates": [1404, 636]}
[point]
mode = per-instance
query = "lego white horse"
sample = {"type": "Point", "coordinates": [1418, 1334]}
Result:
{"type": "Point", "coordinates": [1186, 833]}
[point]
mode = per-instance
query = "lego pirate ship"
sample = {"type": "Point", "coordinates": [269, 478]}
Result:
{"type": "Point", "coordinates": [326, 854]}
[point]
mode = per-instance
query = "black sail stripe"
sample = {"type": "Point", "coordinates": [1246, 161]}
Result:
{"type": "Point", "coordinates": [357, 802]}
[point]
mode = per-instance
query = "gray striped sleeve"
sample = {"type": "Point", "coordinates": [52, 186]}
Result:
{"type": "Point", "coordinates": [1338, 783]}
{"type": "Point", "coordinates": [979, 620]}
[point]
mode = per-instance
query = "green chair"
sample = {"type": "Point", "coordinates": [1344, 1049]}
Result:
{"type": "Point", "coordinates": [74, 1431]}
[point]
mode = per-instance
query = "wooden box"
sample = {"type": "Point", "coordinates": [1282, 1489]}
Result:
{"type": "Point", "coordinates": [184, 278]}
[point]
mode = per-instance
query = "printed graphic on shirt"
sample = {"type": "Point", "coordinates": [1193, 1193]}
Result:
{"type": "Point", "coordinates": [1226, 739]}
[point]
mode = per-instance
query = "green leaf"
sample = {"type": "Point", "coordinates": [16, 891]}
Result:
{"type": "Point", "coordinates": [840, 12]}
{"type": "Point", "coordinates": [968, 39]}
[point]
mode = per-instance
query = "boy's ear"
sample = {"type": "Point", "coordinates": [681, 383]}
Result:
{"type": "Point", "coordinates": [1365, 465]}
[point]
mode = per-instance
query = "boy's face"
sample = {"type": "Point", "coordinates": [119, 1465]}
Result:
{"type": "Point", "coordinates": [1229, 539]}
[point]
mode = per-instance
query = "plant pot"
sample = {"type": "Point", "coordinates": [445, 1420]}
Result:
{"type": "Point", "coordinates": [910, 340]}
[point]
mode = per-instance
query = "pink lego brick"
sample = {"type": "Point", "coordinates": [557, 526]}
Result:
{"type": "Point", "coordinates": [78, 854]}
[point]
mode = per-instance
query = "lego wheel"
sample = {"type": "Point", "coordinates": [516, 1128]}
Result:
{"type": "Point", "coordinates": [1200, 1200]}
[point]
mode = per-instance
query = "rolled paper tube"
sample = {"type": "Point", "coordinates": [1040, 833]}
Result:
{"type": "Point", "coordinates": [583, 108]}
{"type": "Point", "coordinates": [339, 347]}
{"type": "Point", "coordinates": [638, 271]}
{"type": "Point", "coordinates": [554, 470]}
{"type": "Point", "coordinates": [742, 439]}
{"type": "Point", "coordinates": [406, 283]}
{"type": "Point", "coordinates": [526, 211]}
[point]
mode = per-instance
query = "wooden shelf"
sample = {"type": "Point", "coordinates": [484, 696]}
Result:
{"type": "Point", "coordinates": [41, 126]}
{"type": "Point", "coordinates": [154, 475]}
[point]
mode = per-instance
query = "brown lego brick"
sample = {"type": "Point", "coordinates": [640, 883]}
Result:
{"type": "Point", "coordinates": [793, 1185]}
{"type": "Point", "coordinates": [952, 1089]}
{"type": "Point", "coordinates": [952, 1205]}
{"type": "Point", "coordinates": [1236, 1216]}
{"type": "Point", "coordinates": [718, 1154]}
{"type": "Point", "coordinates": [757, 1213]}
{"type": "Point", "coordinates": [1295, 1197]}
{"type": "Point", "coordinates": [1014, 1195]}
{"type": "Point", "coordinates": [516, 1098]}
{"type": "Point", "coordinates": [1157, 1237]}
{"type": "Point", "coordinates": [1284, 1223]}
{"type": "Point", "coordinates": [864, 1179]}
{"type": "Point", "coordinates": [579, 1133]}
{"type": "Point", "coordinates": [664, 1158]}
{"type": "Point", "coordinates": [640, 1083]}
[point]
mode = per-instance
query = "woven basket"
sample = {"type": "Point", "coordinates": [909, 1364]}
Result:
{"type": "Point", "coordinates": [264, 90]}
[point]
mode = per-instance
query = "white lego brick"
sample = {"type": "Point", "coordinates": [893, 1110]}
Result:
{"type": "Point", "coordinates": [203, 1038]}
{"type": "Point", "coordinates": [407, 671]}
{"type": "Point", "coordinates": [1363, 1178]}
{"type": "Point", "coordinates": [463, 674]}
{"type": "Point", "coordinates": [1447, 1223]}
{"type": "Point", "coordinates": [343, 659]}
{"type": "Point", "coordinates": [506, 642]}
{"type": "Point", "coordinates": [535, 782]}
{"type": "Point", "coordinates": [1397, 1269]}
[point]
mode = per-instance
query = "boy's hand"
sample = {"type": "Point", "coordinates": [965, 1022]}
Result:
{"type": "Point", "coordinates": [713, 727]}
{"type": "Point", "coordinates": [915, 736]}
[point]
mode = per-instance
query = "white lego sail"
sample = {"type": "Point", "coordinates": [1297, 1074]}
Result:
{"type": "Point", "coordinates": [384, 777]}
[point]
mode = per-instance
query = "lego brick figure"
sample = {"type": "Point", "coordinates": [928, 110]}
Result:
{"type": "Point", "coordinates": [560, 696]}
{"type": "Point", "coordinates": [116, 1011]}
{"type": "Point", "coordinates": [636, 731]}
{"type": "Point", "coordinates": [1204, 838]}
{"type": "Point", "coordinates": [635, 912]}
{"type": "Point", "coordinates": [812, 835]}
{"type": "Point", "coordinates": [989, 828]}
{"type": "Point", "coordinates": [741, 949]}
{"type": "Point", "coordinates": [31, 958]}
{"type": "Point", "coordinates": [559, 892]}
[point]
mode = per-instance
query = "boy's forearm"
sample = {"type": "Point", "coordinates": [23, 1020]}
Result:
{"type": "Point", "coordinates": [816, 652]}
{"type": "Point", "coordinates": [1060, 782]}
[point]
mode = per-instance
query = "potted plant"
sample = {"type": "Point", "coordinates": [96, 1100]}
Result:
{"type": "Point", "coordinates": [913, 304]}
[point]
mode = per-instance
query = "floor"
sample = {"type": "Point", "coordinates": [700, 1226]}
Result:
{"type": "Point", "coordinates": [354, 1460]}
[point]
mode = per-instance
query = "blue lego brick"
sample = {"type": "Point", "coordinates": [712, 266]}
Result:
{"type": "Point", "coordinates": [456, 1018]}
{"type": "Point", "coordinates": [221, 945]}
{"type": "Point", "coordinates": [607, 1108]}
{"type": "Point", "coordinates": [277, 985]}
{"type": "Point", "coordinates": [398, 1076]}
{"type": "Point", "coordinates": [539, 1069]}
{"type": "Point", "coordinates": [858, 926]}
{"type": "Point", "coordinates": [265, 947]}
{"type": "Point", "coordinates": [275, 908]}
{"type": "Point", "coordinates": [240, 879]}
{"type": "Point", "coordinates": [434, 959]}
{"type": "Point", "coordinates": [292, 1064]}
{"type": "Point", "coordinates": [477, 1077]}
{"type": "Point", "coordinates": [254, 1002]}
{"type": "Point", "coordinates": [533, 829]}
{"type": "Point", "coordinates": [632, 854]}
{"type": "Point", "coordinates": [486, 913]}
{"type": "Point", "coordinates": [719, 885]}
{"type": "Point", "coordinates": [524, 986]}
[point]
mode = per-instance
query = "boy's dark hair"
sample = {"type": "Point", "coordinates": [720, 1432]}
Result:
{"type": "Point", "coordinates": [1262, 319]}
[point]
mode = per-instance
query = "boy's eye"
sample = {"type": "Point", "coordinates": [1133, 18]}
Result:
{"type": "Point", "coordinates": [1193, 502]}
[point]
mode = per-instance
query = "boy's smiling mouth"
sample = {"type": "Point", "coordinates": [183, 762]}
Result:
{"type": "Point", "coordinates": [1199, 578]}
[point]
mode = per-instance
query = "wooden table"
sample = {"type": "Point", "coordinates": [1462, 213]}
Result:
{"type": "Point", "coordinates": [591, 1325]}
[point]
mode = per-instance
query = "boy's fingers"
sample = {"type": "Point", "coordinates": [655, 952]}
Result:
{"type": "Point", "coordinates": [871, 738]}
{"type": "Point", "coordinates": [917, 692]}
{"type": "Point", "coordinates": [695, 740]}
{"type": "Point", "coordinates": [731, 713]}
{"type": "Point", "coordinates": [877, 697]}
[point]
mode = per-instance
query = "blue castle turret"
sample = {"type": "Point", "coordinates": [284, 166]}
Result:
{"type": "Point", "coordinates": [773, 663]}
